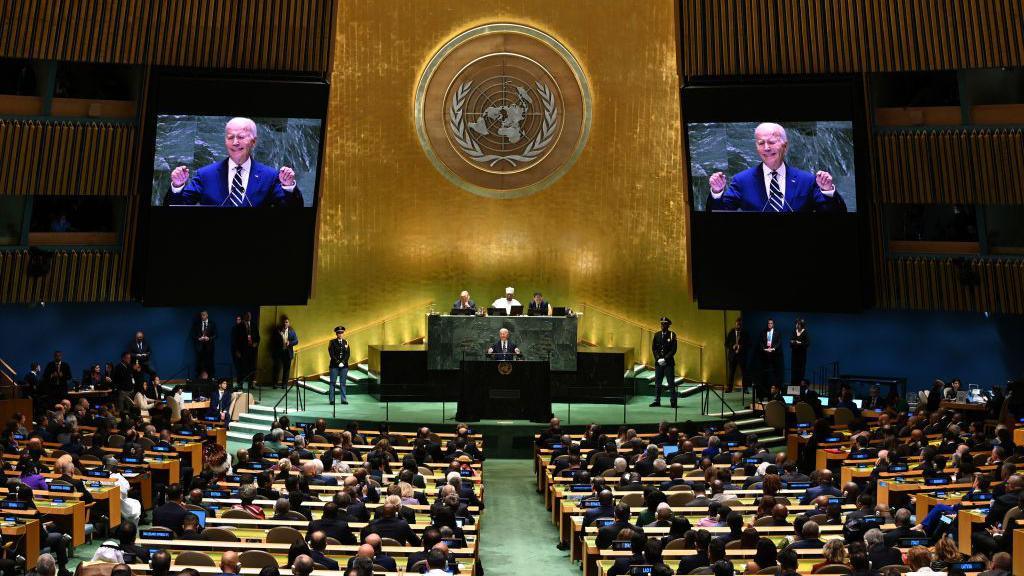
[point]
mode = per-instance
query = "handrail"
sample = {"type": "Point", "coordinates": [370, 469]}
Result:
{"type": "Point", "coordinates": [706, 405]}
{"type": "Point", "coordinates": [635, 323]}
{"type": "Point", "coordinates": [374, 324]}
{"type": "Point", "coordinates": [6, 366]}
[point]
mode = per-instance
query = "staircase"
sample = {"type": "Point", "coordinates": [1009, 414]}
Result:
{"type": "Point", "coordinates": [643, 377]}
{"type": "Point", "coordinates": [257, 419]}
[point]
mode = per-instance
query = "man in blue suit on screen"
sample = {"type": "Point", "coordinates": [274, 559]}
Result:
{"type": "Point", "coordinates": [772, 185]}
{"type": "Point", "coordinates": [238, 181]}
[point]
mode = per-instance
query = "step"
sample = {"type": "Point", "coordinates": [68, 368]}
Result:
{"type": "Point", "coordinates": [772, 440]}
{"type": "Point", "coordinates": [748, 422]}
{"type": "Point", "coordinates": [644, 375]}
{"type": "Point", "coordinates": [690, 390]}
{"type": "Point", "coordinates": [251, 428]}
{"type": "Point", "coordinates": [240, 436]}
{"type": "Point", "coordinates": [759, 431]}
{"type": "Point", "coordinates": [256, 417]}
{"type": "Point", "coordinates": [743, 413]}
{"type": "Point", "coordinates": [314, 386]}
{"type": "Point", "coordinates": [265, 409]}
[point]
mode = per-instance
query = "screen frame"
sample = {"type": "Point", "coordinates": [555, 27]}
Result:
{"type": "Point", "coordinates": [793, 98]}
{"type": "Point", "coordinates": [173, 90]}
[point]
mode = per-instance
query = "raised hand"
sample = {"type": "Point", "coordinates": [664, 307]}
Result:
{"type": "Point", "coordinates": [179, 176]}
{"type": "Point", "coordinates": [286, 175]}
{"type": "Point", "coordinates": [824, 181]}
{"type": "Point", "coordinates": [717, 182]}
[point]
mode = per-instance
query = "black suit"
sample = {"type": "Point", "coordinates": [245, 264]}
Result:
{"type": "Point", "coordinates": [503, 352]}
{"type": "Point", "coordinates": [469, 305]}
{"type": "Point", "coordinates": [690, 563]}
{"type": "Point", "coordinates": [772, 367]}
{"type": "Point", "coordinates": [607, 534]}
{"type": "Point", "coordinates": [124, 384]}
{"type": "Point", "coordinates": [663, 347]}
{"type": "Point", "coordinates": [204, 348]}
{"type": "Point", "coordinates": [535, 309]}
{"type": "Point", "coordinates": [736, 356]}
{"type": "Point", "coordinates": [336, 528]}
{"type": "Point", "coordinates": [393, 527]}
{"type": "Point", "coordinates": [798, 344]}
{"type": "Point", "coordinates": [244, 341]}
{"type": "Point", "coordinates": [892, 537]}
{"type": "Point", "coordinates": [142, 354]}
{"type": "Point", "coordinates": [55, 381]}
{"type": "Point", "coordinates": [881, 555]}
{"type": "Point", "coordinates": [170, 515]}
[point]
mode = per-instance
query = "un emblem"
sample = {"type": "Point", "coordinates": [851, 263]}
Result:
{"type": "Point", "coordinates": [503, 110]}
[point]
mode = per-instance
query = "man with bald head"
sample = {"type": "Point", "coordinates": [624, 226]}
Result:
{"type": "Point", "coordinates": [391, 525]}
{"type": "Point", "coordinates": [303, 565]}
{"type": "Point", "coordinates": [824, 487]}
{"type": "Point", "coordinates": [229, 563]}
{"type": "Point", "coordinates": [371, 549]}
{"type": "Point", "coordinates": [238, 181]}
{"type": "Point", "coordinates": [774, 186]}
{"type": "Point", "coordinates": [675, 477]}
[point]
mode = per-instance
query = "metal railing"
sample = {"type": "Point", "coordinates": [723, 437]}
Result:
{"type": "Point", "coordinates": [404, 326]}
{"type": "Point", "coordinates": [705, 405]}
{"type": "Point", "coordinates": [603, 327]}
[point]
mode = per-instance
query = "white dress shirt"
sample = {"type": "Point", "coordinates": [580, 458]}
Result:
{"type": "Point", "coordinates": [506, 304]}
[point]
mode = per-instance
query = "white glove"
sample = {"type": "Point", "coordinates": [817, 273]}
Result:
{"type": "Point", "coordinates": [661, 361]}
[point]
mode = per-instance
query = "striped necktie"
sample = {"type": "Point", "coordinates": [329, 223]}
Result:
{"type": "Point", "coordinates": [775, 198]}
{"type": "Point", "coordinates": [237, 195]}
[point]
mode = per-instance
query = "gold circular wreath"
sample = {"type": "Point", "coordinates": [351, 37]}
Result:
{"type": "Point", "coordinates": [564, 106]}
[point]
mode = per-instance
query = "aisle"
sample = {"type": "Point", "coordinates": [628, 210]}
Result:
{"type": "Point", "coordinates": [518, 536]}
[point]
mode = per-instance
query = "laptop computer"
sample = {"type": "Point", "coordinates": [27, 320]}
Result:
{"type": "Point", "coordinates": [492, 311]}
{"type": "Point", "coordinates": [516, 310]}
{"type": "Point", "coordinates": [461, 312]}
{"type": "Point", "coordinates": [559, 311]}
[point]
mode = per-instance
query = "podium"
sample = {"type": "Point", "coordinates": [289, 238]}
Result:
{"type": "Point", "coordinates": [518, 390]}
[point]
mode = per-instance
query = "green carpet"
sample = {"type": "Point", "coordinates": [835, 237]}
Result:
{"type": "Point", "coordinates": [517, 534]}
{"type": "Point", "coordinates": [365, 408]}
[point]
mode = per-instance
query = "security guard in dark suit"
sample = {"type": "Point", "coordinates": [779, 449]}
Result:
{"type": "Point", "coordinates": [664, 349]}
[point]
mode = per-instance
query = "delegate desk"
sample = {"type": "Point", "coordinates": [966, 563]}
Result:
{"type": "Point", "coordinates": [505, 390]}
{"type": "Point", "coordinates": [452, 339]}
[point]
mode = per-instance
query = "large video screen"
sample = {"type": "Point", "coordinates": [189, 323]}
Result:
{"type": "Point", "coordinates": [775, 184]}
{"type": "Point", "coordinates": [733, 166]}
{"type": "Point", "coordinates": [231, 173]}
{"type": "Point", "coordinates": [235, 162]}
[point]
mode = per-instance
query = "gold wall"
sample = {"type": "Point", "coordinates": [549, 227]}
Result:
{"type": "Point", "coordinates": [395, 234]}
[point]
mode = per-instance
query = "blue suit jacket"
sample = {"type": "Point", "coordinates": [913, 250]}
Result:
{"type": "Point", "coordinates": [747, 193]}
{"type": "Point", "coordinates": [209, 187]}
{"type": "Point", "coordinates": [223, 404]}
{"type": "Point", "coordinates": [815, 491]}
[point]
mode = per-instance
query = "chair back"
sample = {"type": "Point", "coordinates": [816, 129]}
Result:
{"type": "Point", "coordinates": [419, 567]}
{"type": "Point", "coordinates": [426, 472]}
{"type": "Point", "coordinates": [819, 519]}
{"type": "Point", "coordinates": [257, 559]}
{"type": "Point", "coordinates": [194, 558]}
{"type": "Point", "coordinates": [764, 521]}
{"type": "Point", "coordinates": [389, 542]}
{"type": "Point", "coordinates": [676, 544]}
{"type": "Point", "coordinates": [834, 569]}
{"type": "Point", "coordinates": [318, 439]}
{"type": "Point", "coordinates": [843, 416]}
{"type": "Point", "coordinates": [218, 534]}
{"type": "Point", "coordinates": [115, 441]}
{"type": "Point", "coordinates": [901, 568]}
{"type": "Point", "coordinates": [293, 515]}
{"type": "Point", "coordinates": [283, 535]}
{"type": "Point", "coordinates": [633, 499]}
{"type": "Point", "coordinates": [680, 498]}
{"type": "Point", "coordinates": [733, 544]}
{"type": "Point", "coordinates": [804, 413]}
{"type": "Point", "coordinates": [239, 514]}
{"type": "Point", "coordinates": [775, 414]}
{"type": "Point", "coordinates": [768, 570]}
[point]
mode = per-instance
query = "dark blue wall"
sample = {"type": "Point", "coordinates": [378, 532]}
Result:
{"type": "Point", "coordinates": [97, 333]}
{"type": "Point", "coordinates": [918, 345]}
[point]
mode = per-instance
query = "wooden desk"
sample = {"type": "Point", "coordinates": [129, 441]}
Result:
{"type": "Point", "coordinates": [28, 532]}
{"type": "Point", "coordinates": [70, 516]}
